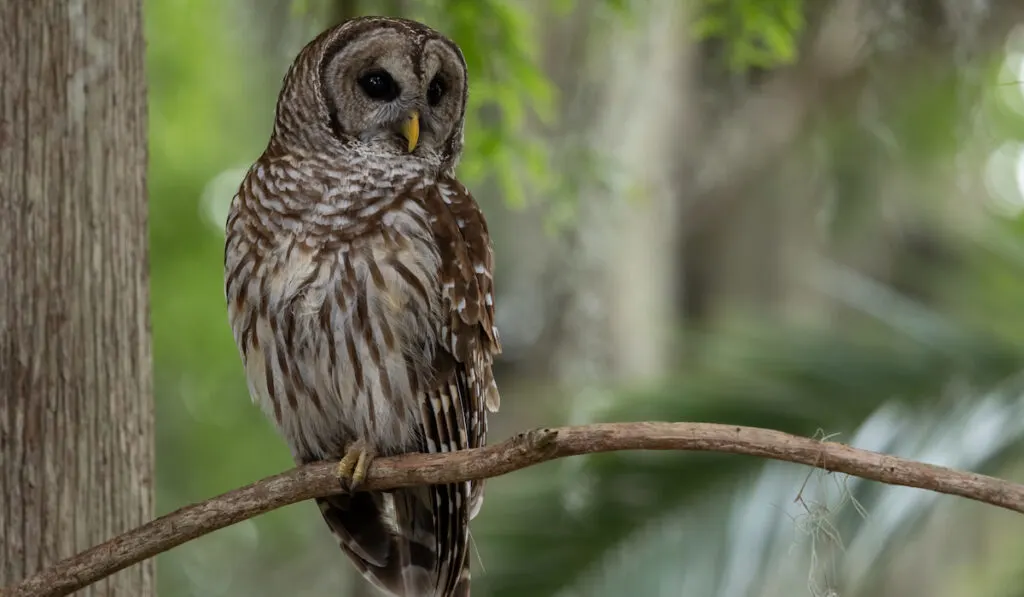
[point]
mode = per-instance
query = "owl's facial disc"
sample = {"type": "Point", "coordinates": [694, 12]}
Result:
{"type": "Point", "coordinates": [397, 94]}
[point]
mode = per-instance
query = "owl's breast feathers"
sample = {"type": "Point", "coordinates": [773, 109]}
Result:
{"type": "Point", "coordinates": [364, 288]}
{"type": "Point", "coordinates": [363, 308]}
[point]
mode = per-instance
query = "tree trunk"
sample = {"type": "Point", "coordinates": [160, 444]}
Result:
{"type": "Point", "coordinates": [617, 323]}
{"type": "Point", "coordinates": [76, 406]}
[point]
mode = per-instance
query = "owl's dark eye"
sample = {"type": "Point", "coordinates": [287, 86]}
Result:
{"type": "Point", "coordinates": [379, 85]}
{"type": "Point", "coordinates": [436, 90]}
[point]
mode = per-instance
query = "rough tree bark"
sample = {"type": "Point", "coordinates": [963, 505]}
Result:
{"type": "Point", "coordinates": [76, 409]}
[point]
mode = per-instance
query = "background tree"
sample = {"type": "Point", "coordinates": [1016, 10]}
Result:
{"type": "Point", "coordinates": [76, 409]}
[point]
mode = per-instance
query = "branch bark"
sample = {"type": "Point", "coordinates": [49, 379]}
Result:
{"type": "Point", "coordinates": [521, 451]}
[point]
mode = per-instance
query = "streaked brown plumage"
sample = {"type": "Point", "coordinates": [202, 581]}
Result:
{"type": "Point", "coordinates": [358, 275]}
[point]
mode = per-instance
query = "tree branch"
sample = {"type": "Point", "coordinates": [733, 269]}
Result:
{"type": "Point", "coordinates": [524, 450]}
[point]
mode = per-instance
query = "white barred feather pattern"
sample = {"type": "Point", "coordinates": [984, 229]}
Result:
{"type": "Point", "coordinates": [359, 282]}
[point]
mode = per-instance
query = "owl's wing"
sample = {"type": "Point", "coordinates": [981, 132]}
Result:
{"type": "Point", "coordinates": [455, 413]}
{"type": "Point", "coordinates": [470, 334]}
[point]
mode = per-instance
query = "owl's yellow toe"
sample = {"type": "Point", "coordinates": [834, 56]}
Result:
{"type": "Point", "coordinates": [354, 465]}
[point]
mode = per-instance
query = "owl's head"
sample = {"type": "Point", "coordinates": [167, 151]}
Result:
{"type": "Point", "coordinates": [378, 85]}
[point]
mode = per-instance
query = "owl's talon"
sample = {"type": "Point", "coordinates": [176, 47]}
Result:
{"type": "Point", "coordinates": [352, 468]}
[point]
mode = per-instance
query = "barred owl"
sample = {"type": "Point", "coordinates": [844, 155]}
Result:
{"type": "Point", "coordinates": [358, 276]}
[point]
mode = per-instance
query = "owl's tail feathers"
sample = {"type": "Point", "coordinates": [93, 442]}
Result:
{"type": "Point", "coordinates": [358, 522]}
{"type": "Point", "coordinates": [400, 554]}
{"type": "Point", "coordinates": [462, 587]}
{"type": "Point", "coordinates": [434, 528]}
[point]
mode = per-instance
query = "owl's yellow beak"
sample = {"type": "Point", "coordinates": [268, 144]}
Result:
{"type": "Point", "coordinates": [411, 129]}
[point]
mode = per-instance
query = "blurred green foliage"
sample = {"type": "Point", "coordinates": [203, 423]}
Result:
{"type": "Point", "coordinates": [757, 33]}
{"type": "Point", "coordinates": [805, 382]}
{"type": "Point", "coordinates": [501, 43]}
{"type": "Point", "coordinates": [201, 123]}
{"type": "Point", "coordinates": [546, 530]}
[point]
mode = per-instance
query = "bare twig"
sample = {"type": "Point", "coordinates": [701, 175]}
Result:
{"type": "Point", "coordinates": [521, 451]}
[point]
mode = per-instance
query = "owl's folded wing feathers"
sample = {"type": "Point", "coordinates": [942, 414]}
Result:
{"type": "Point", "coordinates": [455, 414]}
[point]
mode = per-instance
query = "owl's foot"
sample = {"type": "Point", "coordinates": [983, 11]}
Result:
{"type": "Point", "coordinates": [352, 468]}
